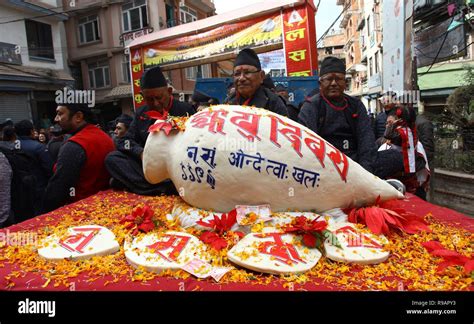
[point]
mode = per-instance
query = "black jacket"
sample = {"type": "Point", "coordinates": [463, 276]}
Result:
{"type": "Point", "coordinates": [135, 138]}
{"type": "Point", "coordinates": [379, 124]}
{"type": "Point", "coordinates": [365, 152]}
{"type": "Point", "coordinates": [263, 98]}
{"type": "Point", "coordinates": [425, 130]}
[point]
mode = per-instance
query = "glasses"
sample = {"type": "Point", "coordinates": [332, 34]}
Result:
{"type": "Point", "coordinates": [246, 74]}
{"type": "Point", "coordinates": [329, 80]}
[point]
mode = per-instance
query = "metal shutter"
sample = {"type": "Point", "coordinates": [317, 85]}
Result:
{"type": "Point", "coordinates": [14, 105]}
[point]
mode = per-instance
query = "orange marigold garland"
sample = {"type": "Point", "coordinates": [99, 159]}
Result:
{"type": "Point", "coordinates": [409, 268]}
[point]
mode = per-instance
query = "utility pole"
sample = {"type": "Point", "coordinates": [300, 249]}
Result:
{"type": "Point", "coordinates": [409, 72]}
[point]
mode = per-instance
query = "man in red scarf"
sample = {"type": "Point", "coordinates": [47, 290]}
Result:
{"type": "Point", "coordinates": [79, 171]}
{"type": "Point", "coordinates": [125, 164]}
{"type": "Point", "coordinates": [343, 121]}
{"type": "Point", "coordinates": [248, 80]}
{"type": "Point", "coordinates": [340, 119]}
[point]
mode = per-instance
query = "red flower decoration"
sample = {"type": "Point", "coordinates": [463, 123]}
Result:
{"type": "Point", "coordinates": [221, 224]}
{"type": "Point", "coordinates": [221, 235]}
{"type": "Point", "coordinates": [213, 239]}
{"type": "Point", "coordinates": [383, 216]}
{"type": "Point", "coordinates": [399, 112]}
{"type": "Point", "coordinates": [165, 126]}
{"type": "Point", "coordinates": [167, 123]}
{"type": "Point", "coordinates": [141, 219]}
{"type": "Point", "coordinates": [312, 230]}
{"type": "Point", "coordinates": [450, 257]}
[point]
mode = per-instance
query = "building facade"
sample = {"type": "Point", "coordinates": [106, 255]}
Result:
{"type": "Point", "coordinates": [370, 29]}
{"type": "Point", "coordinates": [356, 72]}
{"type": "Point", "coordinates": [33, 59]}
{"type": "Point", "coordinates": [98, 32]}
{"type": "Point", "coordinates": [437, 79]}
{"type": "Point", "coordinates": [332, 45]}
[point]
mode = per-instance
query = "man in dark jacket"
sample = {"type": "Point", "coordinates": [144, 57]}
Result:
{"type": "Point", "coordinates": [6, 175]}
{"type": "Point", "coordinates": [338, 118]}
{"type": "Point", "coordinates": [343, 121]}
{"type": "Point", "coordinates": [425, 131]}
{"type": "Point", "coordinates": [125, 164]}
{"type": "Point", "coordinates": [388, 102]}
{"type": "Point", "coordinates": [249, 91]}
{"type": "Point", "coordinates": [43, 163]}
{"type": "Point", "coordinates": [79, 171]}
{"type": "Point", "coordinates": [122, 123]}
{"type": "Point", "coordinates": [291, 107]}
{"type": "Point", "coordinates": [201, 100]}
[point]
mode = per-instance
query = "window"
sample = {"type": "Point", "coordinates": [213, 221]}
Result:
{"type": "Point", "coordinates": [187, 15]}
{"type": "Point", "coordinates": [191, 72]}
{"type": "Point", "coordinates": [370, 67]}
{"type": "Point", "coordinates": [376, 62]}
{"type": "Point", "coordinates": [126, 68]}
{"type": "Point", "coordinates": [40, 39]}
{"type": "Point", "coordinates": [205, 70]}
{"type": "Point", "coordinates": [88, 29]}
{"type": "Point", "coordinates": [99, 76]}
{"type": "Point", "coordinates": [274, 73]}
{"type": "Point", "coordinates": [134, 15]}
{"type": "Point", "coordinates": [369, 30]}
{"type": "Point", "coordinates": [201, 71]}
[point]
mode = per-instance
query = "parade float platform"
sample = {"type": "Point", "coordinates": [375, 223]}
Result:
{"type": "Point", "coordinates": [409, 268]}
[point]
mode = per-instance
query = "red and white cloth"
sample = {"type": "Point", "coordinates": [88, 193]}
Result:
{"type": "Point", "coordinates": [410, 151]}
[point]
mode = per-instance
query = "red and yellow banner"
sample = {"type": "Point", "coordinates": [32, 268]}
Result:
{"type": "Point", "coordinates": [136, 66]}
{"type": "Point", "coordinates": [256, 32]}
{"type": "Point", "coordinates": [300, 41]}
{"type": "Point", "coordinates": [295, 27]}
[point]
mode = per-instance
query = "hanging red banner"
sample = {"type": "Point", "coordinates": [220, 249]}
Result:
{"type": "Point", "coordinates": [300, 41]}
{"type": "Point", "coordinates": [136, 66]}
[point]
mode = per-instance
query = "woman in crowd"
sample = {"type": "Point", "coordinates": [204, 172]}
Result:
{"type": "Point", "coordinates": [401, 135]}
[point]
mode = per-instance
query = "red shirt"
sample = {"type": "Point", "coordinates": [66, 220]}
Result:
{"type": "Point", "coordinates": [93, 176]}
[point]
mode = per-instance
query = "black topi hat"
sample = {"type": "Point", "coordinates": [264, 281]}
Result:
{"type": "Point", "coordinates": [153, 78]}
{"type": "Point", "coordinates": [332, 64]}
{"type": "Point", "coordinates": [247, 56]}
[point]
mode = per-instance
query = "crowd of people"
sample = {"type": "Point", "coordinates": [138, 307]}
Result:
{"type": "Point", "coordinates": [73, 159]}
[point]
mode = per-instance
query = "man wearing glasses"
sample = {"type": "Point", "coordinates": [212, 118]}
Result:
{"type": "Point", "coordinates": [248, 79]}
{"type": "Point", "coordinates": [125, 164]}
{"type": "Point", "coordinates": [340, 119]}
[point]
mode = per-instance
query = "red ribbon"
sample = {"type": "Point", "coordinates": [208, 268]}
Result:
{"type": "Point", "coordinates": [346, 104]}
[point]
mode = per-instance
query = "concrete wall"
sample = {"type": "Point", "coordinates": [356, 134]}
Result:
{"type": "Point", "coordinates": [157, 13]}
{"type": "Point", "coordinates": [110, 29]}
{"type": "Point", "coordinates": [48, 3]}
{"type": "Point", "coordinates": [454, 190]}
{"type": "Point", "coordinates": [109, 45]}
{"type": "Point", "coordinates": [15, 33]}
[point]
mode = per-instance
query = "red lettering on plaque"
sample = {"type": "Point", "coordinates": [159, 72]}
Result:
{"type": "Point", "coordinates": [247, 123]}
{"type": "Point", "coordinates": [355, 239]}
{"type": "Point", "coordinates": [339, 160]}
{"type": "Point", "coordinates": [174, 242]}
{"type": "Point", "coordinates": [77, 242]}
{"type": "Point", "coordinates": [291, 132]}
{"type": "Point", "coordinates": [213, 120]}
{"type": "Point", "coordinates": [283, 252]}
